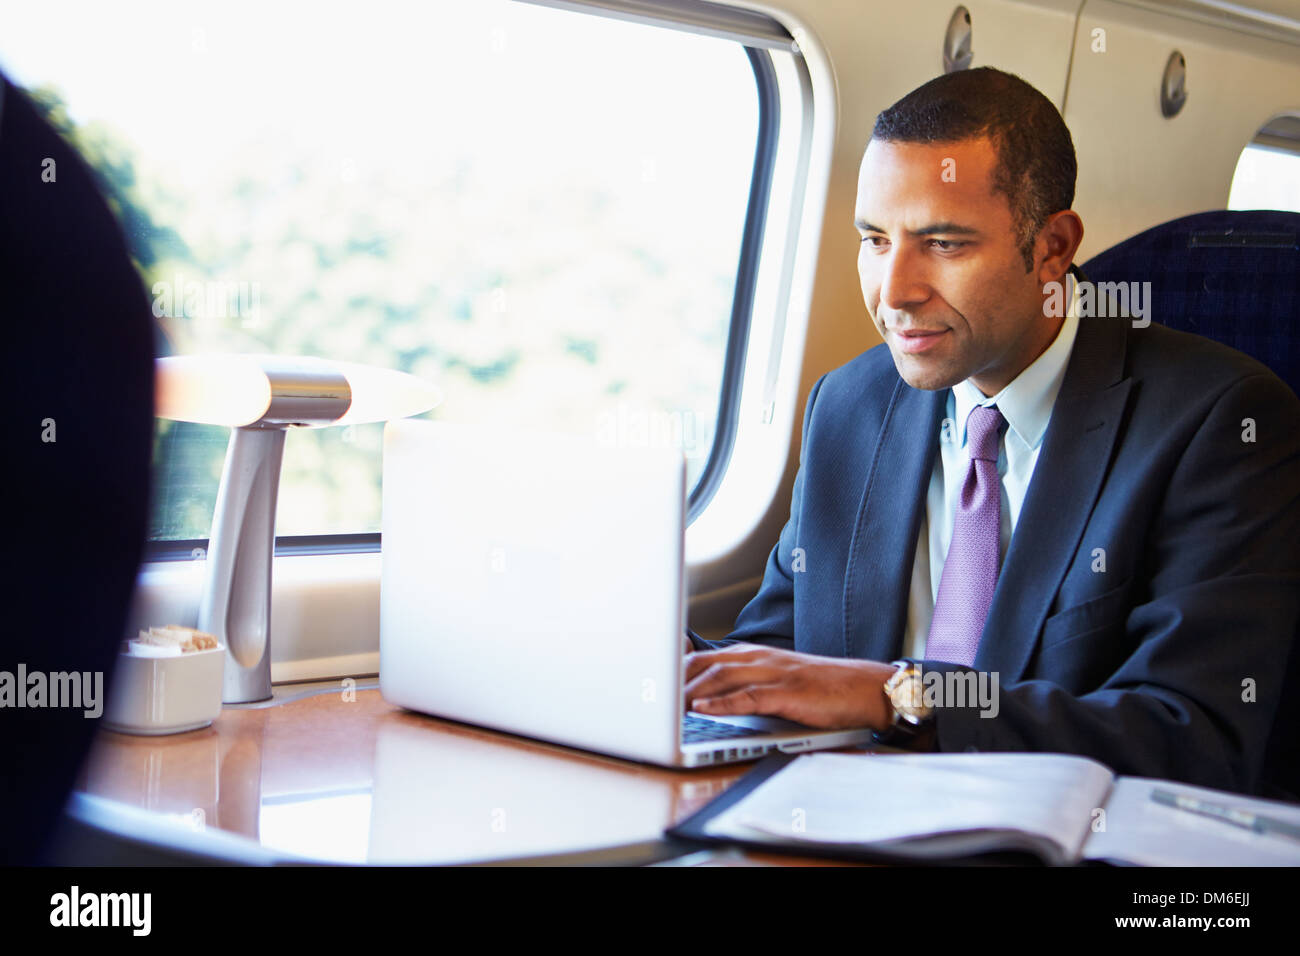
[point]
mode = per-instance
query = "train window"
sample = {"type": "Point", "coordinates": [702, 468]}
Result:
{"type": "Point", "coordinates": [1268, 171]}
{"type": "Point", "coordinates": [542, 211]}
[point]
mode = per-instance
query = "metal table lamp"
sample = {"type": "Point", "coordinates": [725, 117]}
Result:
{"type": "Point", "coordinates": [259, 397]}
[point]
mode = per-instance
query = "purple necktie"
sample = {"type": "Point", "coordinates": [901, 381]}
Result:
{"type": "Point", "coordinates": [970, 571]}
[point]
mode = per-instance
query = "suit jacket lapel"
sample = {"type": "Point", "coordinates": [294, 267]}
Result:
{"type": "Point", "coordinates": [883, 545]}
{"type": "Point", "coordinates": [1067, 479]}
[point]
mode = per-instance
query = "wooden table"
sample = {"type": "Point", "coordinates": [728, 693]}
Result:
{"type": "Point", "coordinates": [331, 771]}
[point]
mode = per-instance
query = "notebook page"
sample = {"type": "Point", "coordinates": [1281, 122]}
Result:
{"type": "Point", "coordinates": [863, 798]}
{"type": "Point", "coordinates": [1139, 830]}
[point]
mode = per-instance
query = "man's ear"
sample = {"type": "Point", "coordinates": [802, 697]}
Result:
{"type": "Point", "coordinates": [1058, 241]}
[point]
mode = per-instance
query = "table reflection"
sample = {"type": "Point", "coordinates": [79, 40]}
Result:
{"type": "Point", "coordinates": [341, 775]}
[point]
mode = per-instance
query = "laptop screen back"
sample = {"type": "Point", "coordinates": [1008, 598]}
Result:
{"type": "Point", "coordinates": [533, 583]}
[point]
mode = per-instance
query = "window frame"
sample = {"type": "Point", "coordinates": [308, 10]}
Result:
{"type": "Point", "coordinates": [1281, 134]}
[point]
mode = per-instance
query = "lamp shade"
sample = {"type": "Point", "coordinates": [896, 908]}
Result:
{"type": "Point", "coordinates": [275, 391]}
{"type": "Point", "coordinates": [380, 394]}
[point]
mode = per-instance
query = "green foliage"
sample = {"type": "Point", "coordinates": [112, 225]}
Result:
{"type": "Point", "coordinates": [113, 165]}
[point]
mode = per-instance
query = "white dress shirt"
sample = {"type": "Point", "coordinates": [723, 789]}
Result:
{"type": "Point", "coordinates": [1026, 403]}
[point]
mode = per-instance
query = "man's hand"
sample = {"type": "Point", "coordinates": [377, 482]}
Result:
{"type": "Point", "coordinates": [823, 692]}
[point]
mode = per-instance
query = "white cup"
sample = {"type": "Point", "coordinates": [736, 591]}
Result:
{"type": "Point", "coordinates": [165, 695]}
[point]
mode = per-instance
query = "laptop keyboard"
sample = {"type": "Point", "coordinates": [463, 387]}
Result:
{"type": "Point", "coordinates": [699, 729]}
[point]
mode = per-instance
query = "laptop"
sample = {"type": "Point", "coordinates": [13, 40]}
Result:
{"type": "Point", "coordinates": [534, 583]}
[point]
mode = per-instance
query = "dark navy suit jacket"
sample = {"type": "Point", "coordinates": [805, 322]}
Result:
{"type": "Point", "coordinates": [1170, 662]}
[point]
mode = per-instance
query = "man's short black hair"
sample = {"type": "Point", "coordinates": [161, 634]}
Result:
{"type": "Point", "coordinates": [1036, 165]}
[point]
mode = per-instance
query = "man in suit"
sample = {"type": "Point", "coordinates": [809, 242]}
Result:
{"type": "Point", "coordinates": [1098, 518]}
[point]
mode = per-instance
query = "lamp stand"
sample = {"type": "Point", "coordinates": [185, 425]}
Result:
{"type": "Point", "coordinates": [236, 602]}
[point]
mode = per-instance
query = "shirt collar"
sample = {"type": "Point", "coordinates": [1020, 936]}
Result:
{"type": "Point", "coordinates": [1026, 402]}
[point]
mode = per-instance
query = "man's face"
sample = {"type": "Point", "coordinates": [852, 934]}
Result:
{"type": "Point", "coordinates": [942, 276]}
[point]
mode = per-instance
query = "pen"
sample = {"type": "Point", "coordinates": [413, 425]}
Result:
{"type": "Point", "coordinates": [1257, 822]}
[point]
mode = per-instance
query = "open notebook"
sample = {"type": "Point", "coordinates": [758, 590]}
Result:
{"type": "Point", "coordinates": [1058, 808]}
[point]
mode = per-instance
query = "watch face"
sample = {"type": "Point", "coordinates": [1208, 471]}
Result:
{"type": "Point", "coordinates": [909, 694]}
{"type": "Point", "coordinates": [908, 698]}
